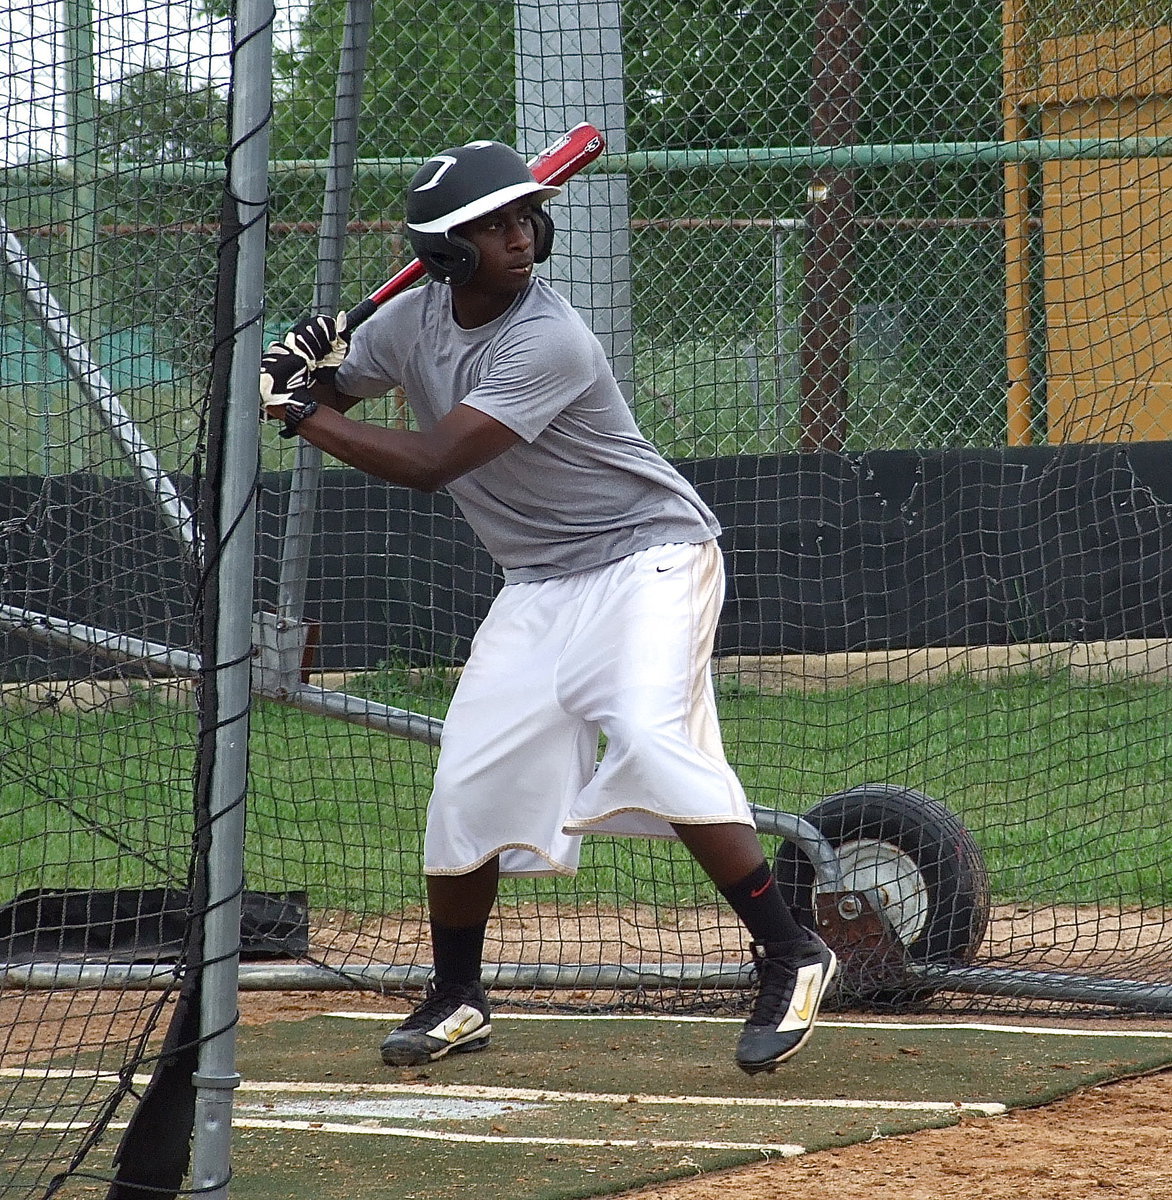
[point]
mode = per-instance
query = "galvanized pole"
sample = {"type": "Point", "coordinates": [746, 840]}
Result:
{"type": "Point", "coordinates": [569, 68]}
{"type": "Point", "coordinates": [82, 228]}
{"type": "Point", "coordinates": [327, 297]}
{"type": "Point", "coordinates": [829, 260]}
{"type": "Point", "coordinates": [232, 564]}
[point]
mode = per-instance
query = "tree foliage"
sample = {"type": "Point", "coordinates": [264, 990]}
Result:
{"type": "Point", "coordinates": [724, 73]}
{"type": "Point", "coordinates": [715, 74]}
{"type": "Point", "coordinates": [157, 117]}
{"type": "Point", "coordinates": [699, 74]}
{"type": "Point", "coordinates": [438, 73]}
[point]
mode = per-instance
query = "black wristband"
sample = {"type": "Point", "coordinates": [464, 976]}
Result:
{"type": "Point", "coordinates": [295, 414]}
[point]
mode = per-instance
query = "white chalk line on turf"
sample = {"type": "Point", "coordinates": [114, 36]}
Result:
{"type": "Point", "coordinates": [484, 1092]}
{"type": "Point", "coordinates": [10, 1126]}
{"type": "Point", "coordinates": [473, 1092]}
{"type": "Point", "coordinates": [786, 1149]}
{"type": "Point", "coordinates": [870, 1026]}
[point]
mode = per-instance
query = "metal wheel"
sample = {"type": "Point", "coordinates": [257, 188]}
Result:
{"type": "Point", "coordinates": [914, 891]}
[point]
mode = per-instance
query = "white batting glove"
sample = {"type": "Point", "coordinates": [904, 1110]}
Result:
{"type": "Point", "coordinates": [321, 341]}
{"type": "Point", "coordinates": [282, 372]}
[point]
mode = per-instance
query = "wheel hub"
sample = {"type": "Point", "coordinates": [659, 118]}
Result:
{"type": "Point", "coordinates": [892, 877]}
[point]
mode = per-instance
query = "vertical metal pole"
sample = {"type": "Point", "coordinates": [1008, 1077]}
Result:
{"type": "Point", "coordinates": [786, 332]}
{"type": "Point", "coordinates": [81, 150]}
{"type": "Point", "coordinates": [1018, 398]}
{"type": "Point", "coordinates": [830, 242]}
{"type": "Point", "coordinates": [327, 296]}
{"type": "Point", "coordinates": [569, 68]}
{"type": "Point", "coordinates": [232, 563]}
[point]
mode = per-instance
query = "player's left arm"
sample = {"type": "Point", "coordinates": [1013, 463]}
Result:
{"type": "Point", "coordinates": [464, 440]}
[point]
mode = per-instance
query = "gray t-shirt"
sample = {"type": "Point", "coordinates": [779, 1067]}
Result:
{"type": "Point", "coordinates": [583, 487]}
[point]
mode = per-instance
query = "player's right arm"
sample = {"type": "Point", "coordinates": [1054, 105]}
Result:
{"type": "Point", "coordinates": [425, 460]}
{"type": "Point", "coordinates": [326, 393]}
{"type": "Point", "coordinates": [298, 387]}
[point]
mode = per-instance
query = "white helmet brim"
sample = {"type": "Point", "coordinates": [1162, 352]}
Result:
{"type": "Point", "coordinates": [486, 204]}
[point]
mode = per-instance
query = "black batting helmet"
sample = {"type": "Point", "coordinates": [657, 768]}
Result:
{"type": "Point", "coordinates": [459, 185]}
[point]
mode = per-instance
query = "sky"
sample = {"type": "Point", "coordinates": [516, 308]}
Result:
{"type": "Point", "coordinates": [127, 36]}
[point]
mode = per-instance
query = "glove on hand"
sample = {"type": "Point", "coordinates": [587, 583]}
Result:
{"type": "Point", "coordinates": [312, 350]}
{"type": "Point", "coordinates": [321, 341]}
{"type": "Point", "coordinates": [282, 372]}
{"type": "Point", "coordinates": [290, 407]}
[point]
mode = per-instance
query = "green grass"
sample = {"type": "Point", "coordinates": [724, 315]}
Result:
{"type": "Point", "coordinates": [726, 393]}
{"type": "Point", "coordinates": [1062, 782]}
{"type": "Point", "coordinates": [49, 428]}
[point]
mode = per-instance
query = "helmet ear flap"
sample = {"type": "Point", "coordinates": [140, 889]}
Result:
{"type": "Point", "coordinates": [453, 259]}
{"type": "Point", "coordinates": [462, 259]}
{"type": "Point", "coordinates": [543, 235]}
{"type": "Point", "coordinates": [448, 258]}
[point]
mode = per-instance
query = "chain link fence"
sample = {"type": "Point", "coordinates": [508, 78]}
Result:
{"type": "Point", "coordinates": [886, 279]}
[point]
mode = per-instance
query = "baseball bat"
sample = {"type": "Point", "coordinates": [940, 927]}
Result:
{"type": "Point", "coordinates": [554, 165]}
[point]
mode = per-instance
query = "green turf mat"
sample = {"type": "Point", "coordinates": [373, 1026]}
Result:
{"type": "Point", "coordinates": [563, 1108]}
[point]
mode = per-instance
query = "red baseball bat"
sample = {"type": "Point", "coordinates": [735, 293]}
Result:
{"type": "Point", "coordinates": [554, 165]}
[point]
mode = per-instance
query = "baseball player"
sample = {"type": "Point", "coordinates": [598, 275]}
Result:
{"type": "Point", "coordinates": [613, 582]}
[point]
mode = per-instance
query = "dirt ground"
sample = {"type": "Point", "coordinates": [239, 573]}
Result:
{"type": "Point", "coordinates": [1111, 1140]}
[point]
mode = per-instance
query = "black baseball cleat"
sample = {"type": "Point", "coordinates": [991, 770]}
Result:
{"type": "Point", "coordinates": [453, 1018]}
{"type": "Point", "coordinates": [789, 994]}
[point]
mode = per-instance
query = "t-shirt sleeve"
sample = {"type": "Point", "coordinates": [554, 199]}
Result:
{"type": "Point", "coordinates": [370, 367]}
{"type": "Point", "coordinates": [535, 373]}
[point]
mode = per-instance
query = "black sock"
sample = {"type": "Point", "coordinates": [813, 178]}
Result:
{"type": "Point", "coordinates": [756, 899]}
{"type": "Point", "coordinates": [457, 951]}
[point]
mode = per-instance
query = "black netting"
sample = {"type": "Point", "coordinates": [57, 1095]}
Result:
{"type": "Point", "coordinates": [888, 284]}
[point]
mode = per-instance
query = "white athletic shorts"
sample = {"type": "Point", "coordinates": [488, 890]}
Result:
{"type": "Point", "coordinates": [623, 650]}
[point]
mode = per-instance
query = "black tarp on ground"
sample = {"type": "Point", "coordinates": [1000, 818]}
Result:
{"type": "Point", "coordinates": [128, 925]}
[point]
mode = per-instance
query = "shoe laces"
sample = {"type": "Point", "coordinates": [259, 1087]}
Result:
{"type": "Point", "coordinates": [440, 1002]}
{"type": "Point", "coordinates": [775, 987]}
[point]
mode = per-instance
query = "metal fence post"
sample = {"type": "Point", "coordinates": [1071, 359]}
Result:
{"type": "Point", "coordinates": [327, 297]}
{"type": "Point", "coordinates": [570, 69]}
{"type": "Point", "coordinates": [232, 563]}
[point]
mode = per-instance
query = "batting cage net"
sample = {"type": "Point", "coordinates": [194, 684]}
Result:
{"type": "Point", "coordinates": [118, 292]}
{"type": "Point", "coordinates": [885, 280]}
